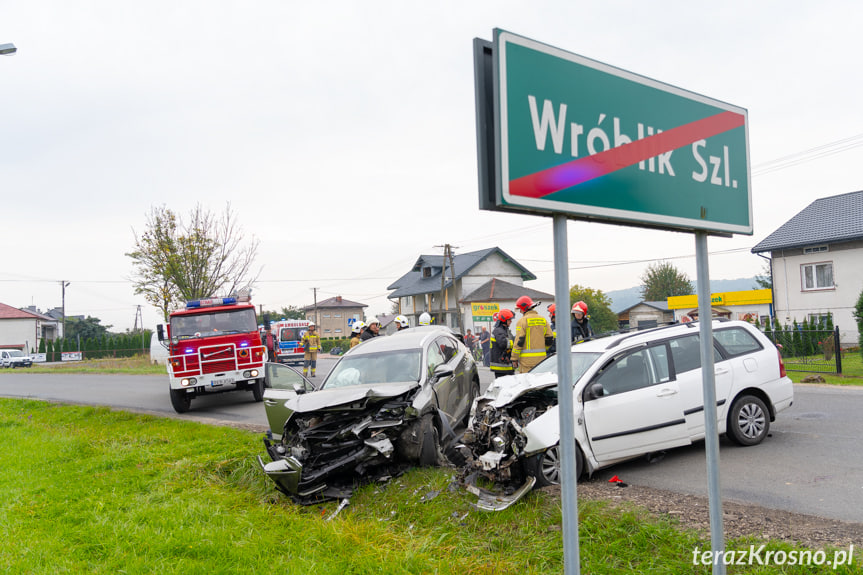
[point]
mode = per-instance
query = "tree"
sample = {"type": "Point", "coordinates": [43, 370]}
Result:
{"type": "Point", "coordinates": [602, 319]}
{"type": "Point", "coordinates": [765, 280]}
{"type": "Point", "coordinates": [175, 261]}
{"type": "Point", "coordinates": [662, 280]}
{"type": "Point", "coordinates": [87, 328]}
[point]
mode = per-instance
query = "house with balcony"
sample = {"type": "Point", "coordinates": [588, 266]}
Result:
{"type": "Point", "coordinates": [816, 263]}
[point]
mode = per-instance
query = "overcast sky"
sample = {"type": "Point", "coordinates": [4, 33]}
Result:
{"type": "Point", "coordinates": [343, 134]}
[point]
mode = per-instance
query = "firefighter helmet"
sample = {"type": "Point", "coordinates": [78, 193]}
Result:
{"type": "Point", "coordinates": [401, 321]}
{"type": "Point", "coordinates": [357, 327]}
{"type": "Point", "coordinates": [524, 303]}
{"type": "Point", "coordinates": [505, 315]}
{"type": "Point", "coordinates": [551, 309]}
{"type": "Point", "coordinates": [579, 306]}
{"type": "Point", "coordinates": [311, 325]}
{"type": "Point", "coordinates": [425, 318]}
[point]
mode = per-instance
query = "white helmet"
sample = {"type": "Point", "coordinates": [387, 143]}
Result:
{"type": "Point", "coordinates": [425, 318]}
{"type": "Point", "coordinates": [311, 324]}
{"type": "Point", "coordinates": [401, 321]}
{"type": "Point", "coordinates": [373, 321]}
{"type": "Point", "coordinates": [357, 327]}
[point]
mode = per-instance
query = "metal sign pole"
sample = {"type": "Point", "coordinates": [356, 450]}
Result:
{"type": "Point", "coordinates": [711, 431]}
{"type": "Point", "coordinates": [568, 487]}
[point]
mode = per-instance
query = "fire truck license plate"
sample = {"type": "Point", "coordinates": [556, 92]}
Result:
{"type": "Point", "coordinates": [222, 381]}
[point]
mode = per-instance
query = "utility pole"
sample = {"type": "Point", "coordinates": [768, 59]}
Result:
{"type": "Point", "coordinates": [315, 290]}
{"type": "Point", "coordinates": [442, 280]}
{"type": "Point", "coordinates": [455, 290]}
{"type": "Point", "coordinates": [63, 285]}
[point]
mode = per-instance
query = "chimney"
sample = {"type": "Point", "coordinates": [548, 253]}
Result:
{"type": "Point", "coordinates": [338, 299]}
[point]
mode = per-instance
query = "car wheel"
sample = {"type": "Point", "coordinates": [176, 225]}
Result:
{"type": "Point", "coordinates": [258, 390]}
{"type": "Point", "coordinates": [546, 466]}
{"type": "Point", "coordinates": [748, 421]}
{"type": "Point", "coordinates": [180, 400]}
{"type": "Point", "coordinates": [430, 438]}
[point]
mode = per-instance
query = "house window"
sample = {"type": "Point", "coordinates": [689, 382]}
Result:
{"type": "Point", "coordinates": [326, 315]}
{"type": "Point", "coordinates": [815, 249]}
{"type": "Point", "coordinates": [338, 331]}
{"type": "Point", "coordinates": [818, 320]}
{"type": "Point", "coordinates": [427, 272]}
{"type": "Point", "coordinates": [817, 276]}
{"type": "Point", "coordinates": [337, 315]}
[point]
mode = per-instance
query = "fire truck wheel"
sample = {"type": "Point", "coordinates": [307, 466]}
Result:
{"type": "Point", "coordinates": [258, 390]}
{"type": "Point", "coordinates": [180, 400]}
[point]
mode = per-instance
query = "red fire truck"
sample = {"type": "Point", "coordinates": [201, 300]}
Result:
{"type": "Point", "coordinates": [214, 346]}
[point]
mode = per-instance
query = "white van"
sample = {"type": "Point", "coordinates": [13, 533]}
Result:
{"type": "Point", "coordinates": [14, 358]}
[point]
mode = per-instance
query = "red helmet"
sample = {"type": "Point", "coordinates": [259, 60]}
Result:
{"type": "Point", "coordinates": [524, 303]}
{"type": "Point", "coordinates": [551, 310]}
{"type": "Point", "coordinates": [579, 306]}
{"type": "Point", "coordinates": [505, 315]}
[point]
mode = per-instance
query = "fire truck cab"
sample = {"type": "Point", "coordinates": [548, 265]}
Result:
{"type": "Point", "coordinates": [288, 334]}
{"type": "Point", "coordinates": [214, 346]}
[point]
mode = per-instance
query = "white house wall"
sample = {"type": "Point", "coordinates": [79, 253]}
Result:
{"type": "Point", "coordinates": [791, 302]}
{"type": "Point", "coordinates": [19, 332]}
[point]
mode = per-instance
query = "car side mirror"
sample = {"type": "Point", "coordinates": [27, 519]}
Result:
{"type": "Point", "coordinates": [160, 332]}
{"type": "Point", "coordinates": [595, 390]}
{"type": "Point", "coordinates": [441, 372]}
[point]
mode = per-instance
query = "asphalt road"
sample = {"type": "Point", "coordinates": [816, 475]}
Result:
{"type": "Point", "coordinates": [811, 462]}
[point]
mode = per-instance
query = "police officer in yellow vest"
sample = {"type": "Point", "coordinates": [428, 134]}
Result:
{"type": "Point", "coordinates": [532, 336]}
{"type": "Point", "coordinates": [312, 344]}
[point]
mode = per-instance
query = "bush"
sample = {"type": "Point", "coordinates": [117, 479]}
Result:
{"type": "Point", "coordinates": [858, 313]}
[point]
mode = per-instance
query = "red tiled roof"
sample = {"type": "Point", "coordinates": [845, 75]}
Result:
{"type": "Point", "coordinates": [9, 312]}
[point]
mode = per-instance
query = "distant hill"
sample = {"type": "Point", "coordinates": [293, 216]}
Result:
{"type": "Point", "coordinates": [624, 298]}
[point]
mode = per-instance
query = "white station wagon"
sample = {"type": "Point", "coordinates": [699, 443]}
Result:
{"type": "Point", "coordinates": [633, 394]}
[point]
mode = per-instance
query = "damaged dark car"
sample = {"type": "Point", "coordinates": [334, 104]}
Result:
{"type": "Point", "coordinates": [387, 405]}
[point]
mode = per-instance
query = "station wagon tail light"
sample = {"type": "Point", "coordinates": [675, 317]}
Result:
{"type": "Point", "coordinates": [781, 364]}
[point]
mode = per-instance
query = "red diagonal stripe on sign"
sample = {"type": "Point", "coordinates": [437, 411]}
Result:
{"type": "Point", "coordinates": [588, 168]}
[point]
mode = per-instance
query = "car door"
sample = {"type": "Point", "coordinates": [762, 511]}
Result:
{"type": "Point", "coordinates": [640, 409]}
{"type": "Point", "coordinates": [283, 383]}
{"type": "Point", "coordinates": [444, 386]}
{"type": "Point", "coordinates": [686, 360]}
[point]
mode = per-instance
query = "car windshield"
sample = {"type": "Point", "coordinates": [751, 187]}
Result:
{"type": "Point", "coordinates": [214, 323]}
{"type": "Point", "coordinates": [16, 354]}
{"type": "Point", "coordinates": [581, 361]}
{"type": "Point", "coordinates": [385, 367]}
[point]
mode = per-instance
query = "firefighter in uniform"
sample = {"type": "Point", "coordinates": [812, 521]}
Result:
{"type": "Point", "coordinates": [552, 349]}
{"type": "Point", "coordinates": [372, 330]}
{"type": "Point", "coordinates": [581, 330]}
{"type": "Point", "coordinates": [312, 344]}
{"type": "Point", "coordinates": [401, 322]}
{"type": "Point", "coordinates": [532, 336]}
{"type": "Point", "coordinates": [356, 330]}
{"type": "Point", "coordinates": [501, 345]}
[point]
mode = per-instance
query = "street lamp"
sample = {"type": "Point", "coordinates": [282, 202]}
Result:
{"type": "Point", "coordinates": [8, 49]}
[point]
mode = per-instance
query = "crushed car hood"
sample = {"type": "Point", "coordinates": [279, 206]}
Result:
{"type": "Point", "coordinates": [505, 389]}
{"type": "Point", "coordinates": [326, 398]}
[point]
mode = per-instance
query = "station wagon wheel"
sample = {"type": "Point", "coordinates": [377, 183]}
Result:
{"type": "Point", "coordinates": [180, 400]}
{"type": "Point", "coordinates": [748, 420]}
{"type": "Point", "coordinates": [546, 466]}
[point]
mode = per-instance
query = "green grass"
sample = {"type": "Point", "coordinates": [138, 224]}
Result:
{"type": "Point", "coordinates": [90, 490]}
{"type": "Point", "coordinates": [138, 365]}
{"type": "Point", "coordinates": [852, 371]}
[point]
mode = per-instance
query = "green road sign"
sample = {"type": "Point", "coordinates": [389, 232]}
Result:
{"type": "Point", "coordinates": [579, 137]}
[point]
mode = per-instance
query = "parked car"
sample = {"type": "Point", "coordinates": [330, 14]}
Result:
{"type": "Point", "coordinates": [386, 405]}
{"type": "Point", "coordinates": [633, 394]}
{"type": "Point", "coordinates": [15, 358]}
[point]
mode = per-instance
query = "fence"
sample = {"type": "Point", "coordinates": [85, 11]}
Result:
{"type": "Point", "coordinates": [815, 350]}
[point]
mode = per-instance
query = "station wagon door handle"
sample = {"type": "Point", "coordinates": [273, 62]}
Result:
{"type": "Point", "coordinates": [270, 402]}
{"type": "Point", "coordinates": [720, 370]}
{"type": "Point", "coordinates": [666, 392]}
